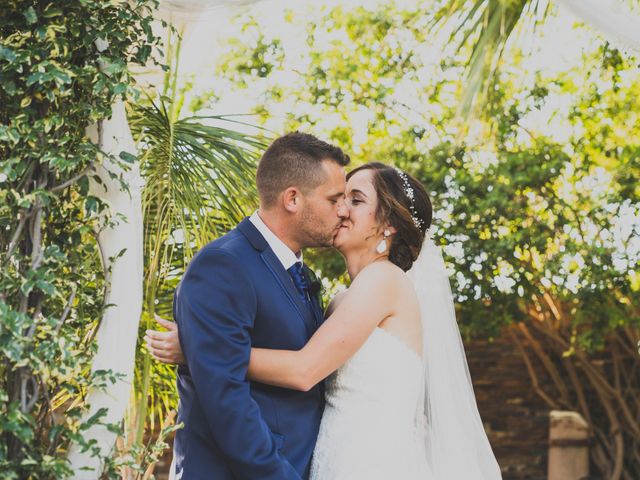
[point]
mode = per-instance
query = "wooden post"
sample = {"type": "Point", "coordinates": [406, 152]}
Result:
{"type": "Point", "coordinates": [568, 446]}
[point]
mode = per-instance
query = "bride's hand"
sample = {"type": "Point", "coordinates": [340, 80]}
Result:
{"type": "Point", "coordinates": [165, 346]}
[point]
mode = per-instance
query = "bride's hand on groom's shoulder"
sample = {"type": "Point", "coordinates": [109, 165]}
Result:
{"type": "Point", "coordinates": [165, 346]}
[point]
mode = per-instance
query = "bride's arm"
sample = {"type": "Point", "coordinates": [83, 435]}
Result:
{"type": "Point", "coordinates": [333, 304]}
{"type": "Point", "coordinates": [364, 306]}
{"type": "Point", "coordinates": [165, 346]}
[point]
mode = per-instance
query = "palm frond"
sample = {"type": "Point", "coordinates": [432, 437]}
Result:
{"type": "Point", "coordinates": [199, 172]}
{"type": "Point", "coordinates": [200, 181]}
{"type": "Point", "coordinates": [485, 25]}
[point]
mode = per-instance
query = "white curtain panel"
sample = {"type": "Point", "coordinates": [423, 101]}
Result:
{"type": "Point", "coordinates": [615, 19]}
{"type": "Point", "coordinates": [186, 11]}
{"type": "Point", "coordinates": [618, 21]}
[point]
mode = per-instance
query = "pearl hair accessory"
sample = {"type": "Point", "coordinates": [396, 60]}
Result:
{"type": "Point", "coordinates": [408, 191]}
{"type": "Point", "coordinates": [382, 246]}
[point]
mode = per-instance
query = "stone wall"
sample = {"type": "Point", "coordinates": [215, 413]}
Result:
{"type": "Point", "coordinates": [515, 418]}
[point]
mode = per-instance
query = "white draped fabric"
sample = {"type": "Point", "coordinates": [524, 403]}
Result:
{"type": "Point", "coordinates": [188, 11]}
{"type": "Point", "coordinates": [615, 19]}
{"type": "Point", "coordinates": [118, 331]}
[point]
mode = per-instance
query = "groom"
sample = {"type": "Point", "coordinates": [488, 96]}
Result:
{"type": "Point", "coordinates": [247, 289]}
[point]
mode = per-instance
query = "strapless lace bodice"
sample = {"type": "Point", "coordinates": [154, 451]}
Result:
{"type": "Point", "coordinates": [369, 429]}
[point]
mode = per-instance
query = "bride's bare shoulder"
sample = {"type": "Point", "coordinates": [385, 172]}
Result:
{"type": "Point", "coordinates": [384, 267]}
{"type": "Point", "coordinates": [382, 273]}
{"type": "Point", "coordinates": [376, 282]}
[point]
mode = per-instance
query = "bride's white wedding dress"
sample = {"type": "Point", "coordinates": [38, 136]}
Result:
{"type": "Point", "coordinates": [391, 414]}
{"type": "Point", "coordinates": [370, 428]}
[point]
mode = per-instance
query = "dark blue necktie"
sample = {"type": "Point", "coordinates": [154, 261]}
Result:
{"type": "Point", "coordinates": [300, 281]}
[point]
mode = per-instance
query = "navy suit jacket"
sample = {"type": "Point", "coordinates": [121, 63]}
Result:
{"type": "Point", "coordinates": [236, 295]}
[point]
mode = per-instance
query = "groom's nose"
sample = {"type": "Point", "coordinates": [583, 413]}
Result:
{"type": "Point", "coordinates": [343, 209]}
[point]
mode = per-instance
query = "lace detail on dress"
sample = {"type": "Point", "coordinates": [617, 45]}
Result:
{"type": "Point", "coordinates": [369, 429]}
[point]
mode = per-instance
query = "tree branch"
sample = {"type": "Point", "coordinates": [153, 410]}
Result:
{"type": "Point", "coordinates": [67, 309]}
{"type": "Point", "coordinates": [74, 179]}
{"type": "Point", "coordinates": [532, 374]}
{"type": "Point", "coordinates": [548, 364]}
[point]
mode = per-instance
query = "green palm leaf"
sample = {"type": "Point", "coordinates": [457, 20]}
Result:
{"type": "Point", "coordinates": [199, 176]}
{"type": "Point", "coordinates": [486, 26]}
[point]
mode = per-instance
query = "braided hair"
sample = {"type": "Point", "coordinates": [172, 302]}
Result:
{"type": "Point", "coordinates": [403, 203]}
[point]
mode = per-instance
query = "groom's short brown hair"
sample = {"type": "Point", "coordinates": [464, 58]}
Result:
{"type": "Point", "coordinates": [294, 160]}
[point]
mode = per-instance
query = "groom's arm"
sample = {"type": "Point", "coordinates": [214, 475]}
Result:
{"type": "Point", "coordinates": [216, 305]}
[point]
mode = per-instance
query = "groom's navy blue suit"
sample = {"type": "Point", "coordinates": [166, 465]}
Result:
{"type": "Point", "coordinates": [234, 295]}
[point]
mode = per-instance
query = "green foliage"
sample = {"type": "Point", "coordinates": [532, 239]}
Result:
{"type": "Point", "coordinates": [54, 83]}
{"type": "Point", "coordinates": [199, 176]}
{"type": "Point", "coordinates": [510, 203]}
{"type": "Point", "coordinates": [536, 216]}
{"type": "Point", "coordinates": [356, 60]}
{"type": "Point", "coordinates": [485, 26]}
{"type": "Point", "coordinates": [200, 183]}
{"type": "Point", "coordinates": [264, 57]}
{"type": "Point", "coordinates": [138, 461]}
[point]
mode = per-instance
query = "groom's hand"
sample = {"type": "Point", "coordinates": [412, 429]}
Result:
{"type": "Point", "coordinates": [165, 346]}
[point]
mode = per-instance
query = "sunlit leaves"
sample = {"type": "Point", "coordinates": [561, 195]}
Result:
{"type": "Point", "coordinates": [486, 25]}
{"type": "Point", "coordinates": [542, 197]}
{"type": "Point", "coordinates": [51, 276]}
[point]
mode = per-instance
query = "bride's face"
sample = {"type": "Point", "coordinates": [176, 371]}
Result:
{"type": "Point", "coordinates": [361, 229]}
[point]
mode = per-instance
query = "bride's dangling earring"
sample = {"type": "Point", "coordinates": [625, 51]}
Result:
{"type": "Point", "coordinates": [382, 246]}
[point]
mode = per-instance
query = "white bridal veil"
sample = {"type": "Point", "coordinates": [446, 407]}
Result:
{"type": "Point", "coordinates": [456, 443]}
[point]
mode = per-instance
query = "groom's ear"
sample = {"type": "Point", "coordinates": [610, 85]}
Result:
{"type": "Point", "coordinates": [291, 199]}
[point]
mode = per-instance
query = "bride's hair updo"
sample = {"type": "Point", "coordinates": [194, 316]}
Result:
{"type": "Point", "coordinates": [404, 203]}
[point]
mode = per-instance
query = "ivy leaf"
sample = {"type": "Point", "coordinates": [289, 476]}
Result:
{"type": "Point", "coordinates": [7, 54]}
{"type": "Point", "coordinates": [120, 88]}
{"type": "Point", "coordinates": [30, 16]}
{"type": "Point", "coordinates": [128, 157]}
{"type": "Point", "coordinates": [9, 87]}
{"type": "Point", "coordinates": [91, 204]}
{"type": "Point", "coordinates": [35, 77]}
{"type": "Point", "coordinates": [83, 185]}
{"type": "Point", "coordinates": [51, 11]}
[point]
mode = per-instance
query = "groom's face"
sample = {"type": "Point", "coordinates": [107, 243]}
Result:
{"type": "Point", "coordinates": [324, 208]}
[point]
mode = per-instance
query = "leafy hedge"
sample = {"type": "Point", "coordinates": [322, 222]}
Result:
{"type": "Point", "coordinates": [62, 65]}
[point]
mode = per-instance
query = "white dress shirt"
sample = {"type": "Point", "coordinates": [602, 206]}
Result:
{"type": "Point", "coordinates": [286, 256]}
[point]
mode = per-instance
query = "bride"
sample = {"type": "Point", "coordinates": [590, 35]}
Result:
{"type": "Point", "coordinates": [399, 399]}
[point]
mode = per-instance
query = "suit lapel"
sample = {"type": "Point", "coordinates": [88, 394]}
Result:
{"type": "Point", "coordinates": [283, 278]}
{"type": "Point", "coordinates": [286, 283]}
